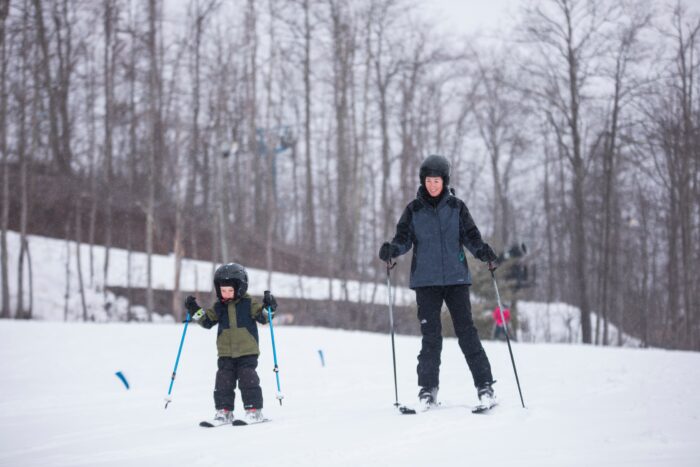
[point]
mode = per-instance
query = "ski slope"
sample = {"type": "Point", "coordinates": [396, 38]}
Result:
{"type": "Point", "coordinates": [62, 405]}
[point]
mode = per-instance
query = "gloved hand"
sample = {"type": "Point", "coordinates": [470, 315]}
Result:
{"type": "Point", "coordinates": [486, 254]}
{"type": "Point", "coordinates": [388, 251]}
{"type": "Point", "coordinates": [269, 304]}
{"type": "Point", "coordinates": [193, 307]}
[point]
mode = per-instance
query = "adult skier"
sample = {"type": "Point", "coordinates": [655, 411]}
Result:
{"type": "Point", "coordinates": [437, 225]}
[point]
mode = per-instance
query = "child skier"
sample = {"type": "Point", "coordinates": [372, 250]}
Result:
{"type": "Point", "coordinates": [237, 341]}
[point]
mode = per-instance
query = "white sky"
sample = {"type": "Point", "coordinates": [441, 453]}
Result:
{"type": "Point", "coordinates": [471, 16]}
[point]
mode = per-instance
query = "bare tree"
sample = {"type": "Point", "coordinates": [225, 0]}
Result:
{"type": "Point", "coordinates": [57, 87]}
{"type": "Point", "coordinates": [22, 99]}
{"type": "Point", "coordinates": [111, 47]}
{"type": "Point", "coordinates": [342, 34]}
{"type": "Point", "coordinates": [671, 133]}
{"type": "Point", "coordinates": [156, 143]}
{"type": "Point", "coordinates": [310, 217]}
{"type": "Point", "coordinates": [569, 35]}
{"type": "Point", "coordinates": [4, 219]}
{"type": "Point", "coordinates": [626, 39]}
{"type": "Point", "coordinates": [78, 255]}
{"type": "Point", "coordinates": [501, 118]}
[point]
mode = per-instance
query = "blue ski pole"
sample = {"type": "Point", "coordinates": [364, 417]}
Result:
{"type": "Point", "coordinates": [169, 399]}
{"type": "Point", "coordinates": [274, 349]}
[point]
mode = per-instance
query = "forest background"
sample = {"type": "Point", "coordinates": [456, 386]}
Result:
{"type": "Point", "coordinates": [287, 135]}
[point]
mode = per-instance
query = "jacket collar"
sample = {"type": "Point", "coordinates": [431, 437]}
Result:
{"type": "Point", "coordinates": [429, 201]}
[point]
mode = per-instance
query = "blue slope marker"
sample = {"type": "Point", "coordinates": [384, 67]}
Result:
{"type": "Point", "coordinates": [121, 376]}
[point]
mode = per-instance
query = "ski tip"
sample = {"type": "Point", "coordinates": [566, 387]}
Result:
{"type": "Point", "coordinates": [483, 408]}
{"type": "Point", "coordinates": [406, 410]}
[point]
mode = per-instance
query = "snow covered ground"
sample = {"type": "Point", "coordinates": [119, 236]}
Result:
{"type": "Point", "coordinates": [62, 405]}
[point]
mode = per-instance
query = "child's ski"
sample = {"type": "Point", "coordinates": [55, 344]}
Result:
{"type": "Point", "coordinates": [239, 422]}
{"type": "Point", "coordinates": [213, 423]}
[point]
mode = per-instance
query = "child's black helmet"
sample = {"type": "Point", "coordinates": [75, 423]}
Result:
{"type": "Point", "coordinates": [435, 166]}
{"type": "Point", "coordinates": [231, 275]}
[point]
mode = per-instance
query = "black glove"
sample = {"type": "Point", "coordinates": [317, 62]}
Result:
{"type": "Point", "coordinates": [388, 251]}
{"type": "Point", "coordinates": [486, 254]}
{"type": "Point", "coordinates": [269, 300]}
{"type": "Point", "coordinates": [193, 307]}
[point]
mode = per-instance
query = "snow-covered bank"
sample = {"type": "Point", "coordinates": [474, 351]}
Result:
{"type": "Point", "coordinates": [561, 323]}
{"type": "Point", "coordinates": [62, 405]}
{"type": "Point", "coordinates": [55, 278]}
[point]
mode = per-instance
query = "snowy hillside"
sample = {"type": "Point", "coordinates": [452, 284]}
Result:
{"type": "Point", "coordinates": [56, 282]}
{"type": "Point", "coordinates": [62, 405]}
{"type": "Point", "coordinates": [559, 322]}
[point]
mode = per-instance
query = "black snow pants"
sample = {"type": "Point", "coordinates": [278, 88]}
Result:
{"type": "Point", "coordinates": [241, 369]}
{"type": "Point", "coordinates": [456, 297]}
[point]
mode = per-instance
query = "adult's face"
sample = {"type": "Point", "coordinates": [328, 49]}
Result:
{"type": "Point", "coordinates": [434, 186]}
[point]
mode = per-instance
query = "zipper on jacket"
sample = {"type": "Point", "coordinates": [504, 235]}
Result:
{"type": "Point", "coordinates": [442, 243]}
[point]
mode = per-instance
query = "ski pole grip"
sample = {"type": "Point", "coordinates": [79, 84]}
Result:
{"type": "Point", "coordinates": [266, 296]}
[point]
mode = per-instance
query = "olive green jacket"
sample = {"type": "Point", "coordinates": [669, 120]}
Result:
{"type": "Point", "coordinates": [237, 333]}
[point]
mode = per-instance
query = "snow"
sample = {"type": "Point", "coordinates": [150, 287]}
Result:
{"type": "Point", "coordinates": [61, 403]}
{"type": "Point", "coordinates": [560, 322]}
{"type": "Point", "coordinates": [51, 280]}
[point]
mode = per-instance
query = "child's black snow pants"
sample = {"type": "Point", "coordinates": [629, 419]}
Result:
{"type": "Point", "coordinates": [241, 369]}
{"type": "Point", "coordinates": [456, 297]}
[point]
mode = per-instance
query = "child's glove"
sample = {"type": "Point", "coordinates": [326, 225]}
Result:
{"type": "Point", "coordinates": [269, 304]}
{"type": "Point", "coordinates": [193, 308]}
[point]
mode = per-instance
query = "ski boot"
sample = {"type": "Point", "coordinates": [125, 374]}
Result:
{"type": "Point", "coordinates": [427, 398]}
{"type": "Point", "coordinates": [487, 397]}
{"type": "Point", "coordinates": [253, 416]}
{"type": "Point", "coordinates": [221, 417]}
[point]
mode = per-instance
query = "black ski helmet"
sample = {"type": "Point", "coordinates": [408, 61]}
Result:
{"type": "Point", "coordinates": [435, 166]}
{"type": "Point", "coordinates": [231, 275]}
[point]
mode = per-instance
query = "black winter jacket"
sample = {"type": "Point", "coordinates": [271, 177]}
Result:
{"type": "Point", "coordinates": [437, 234]}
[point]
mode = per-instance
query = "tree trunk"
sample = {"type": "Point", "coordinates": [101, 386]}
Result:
{"type": "Point", "coordinates": [22, 155]}
{"type": "Point", "coordinates": [251, 41]}
{"type": "Point", "coordinates": [5, 216]}
{"type": "Point", "coordinates": [78, 257]}
{"type": "Point", "coordinates": [62, 160]}
{"type": "Point", "coordinates": [310, 213]}
{"type": "Point", "coordinates": [66, 294]}
{"type": "Point", "coordinates": [154, 96]}
{"type": "Point", "coordinates": [110, 59]}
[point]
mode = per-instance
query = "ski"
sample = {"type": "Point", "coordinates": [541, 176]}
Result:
{"type": "Point", "coordinates": [212, 423]}
{"type": "Point", "coordinates": [481, 408]}
{"type": "Point", "coordinates": [406, 410]}
{"type": "Point", "coordinates": [239, 422]}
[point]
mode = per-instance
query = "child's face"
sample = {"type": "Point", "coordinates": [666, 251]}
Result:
{"type": "Point", "coordinates": [227, 293]}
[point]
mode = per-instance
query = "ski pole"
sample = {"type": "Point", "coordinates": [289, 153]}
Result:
{"type": "Point", "coordinates": [274, 349]}
{"type": "Point", "coordinates": [402, 409]}
{"type": "Point", "coordinates": [169, 399]}
{"type": "Point", "coordinates": [505, 329]}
